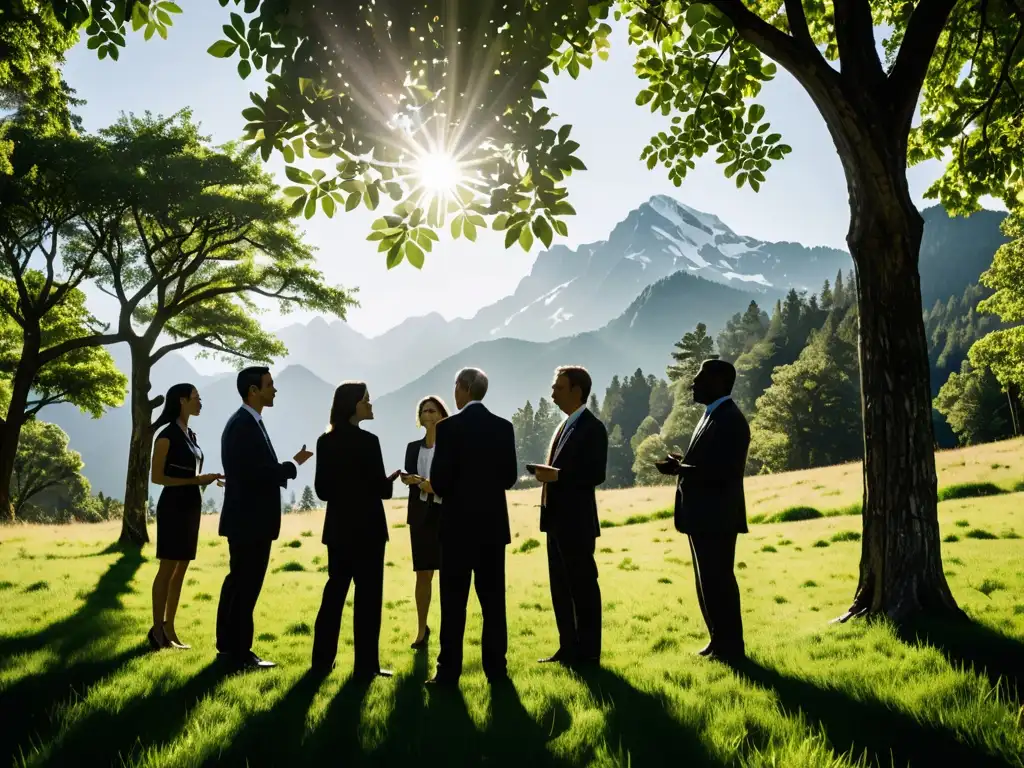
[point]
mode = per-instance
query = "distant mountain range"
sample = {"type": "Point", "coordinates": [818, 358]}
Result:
{"type": "Point", "coordinates": [612, 306]}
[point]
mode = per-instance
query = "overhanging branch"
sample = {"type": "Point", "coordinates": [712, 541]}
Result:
{"type": "Point", "coordinates": [908, 73]}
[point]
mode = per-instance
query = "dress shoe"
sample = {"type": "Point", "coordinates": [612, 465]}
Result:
{"type": "Point", "coordinates": [156, 643]}
{"type": "Point", "coordinates": [174, 642]}
{"type": "Point", "coordinates": [420, 644]}
{"type": "Point", "coordinates": [559, 657]}
{"type": "Point", "coordinates": [707, 650]}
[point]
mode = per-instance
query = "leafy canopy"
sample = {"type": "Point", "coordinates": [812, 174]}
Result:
{"type": "Point", "coordinates": [377, 88]}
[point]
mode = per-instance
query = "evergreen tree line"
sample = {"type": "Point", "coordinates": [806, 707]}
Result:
{"type": "Point", "coordinates": [798, 381]}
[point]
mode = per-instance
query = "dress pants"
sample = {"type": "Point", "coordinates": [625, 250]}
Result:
{"type": "Point", "coordinates": [362, 563]}
{"type": "Point", "coordinates": [575, 595]}
{"type": "Point", "coordinates": [484, 564]}
{"type": "Point", "coordinates": [717, 590]}
{"type": "Point", "coordinates": [248, 567]}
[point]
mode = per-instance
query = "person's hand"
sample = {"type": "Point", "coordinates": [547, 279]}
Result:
{"type": "Point", "coordinates": [546, 474]}
{"type": "Point", "coordinates": [302, 456]}
{"type": "Point", "coordinates": [205, 480]}
{"type": "Point", "coordinates": [670, 465]}
{"type": "Point", "coordinates": [426, 487]}
{"type": "Point", "coordinates": [393, 475]}
{"type": "Point", "coordinates": [411, 479]}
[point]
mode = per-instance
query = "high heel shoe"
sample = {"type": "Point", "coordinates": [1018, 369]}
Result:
{"type": "Point", "coordinates": [422, 642]}
{"type": "Point", "coordinates": [154, 643]}
{"type": "Point", "coordinates": [175, 643]}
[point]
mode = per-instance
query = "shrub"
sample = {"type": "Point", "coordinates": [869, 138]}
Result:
{"type": "Point", "coordinates": [962, 524]}
{"type": "Point", "coordinates": [951, 539]}
{"type": "Point", "coordinates": [794, 514]}
{"type": "Point", "coordinates": [809, 583]}
{"type": "Point", "coordinates": [295, 544]}
{"type": "Point", "coordinates": [988, 586]}
{"type": "Point", "coordinates": [821, 543]}
{"type": "Point", "coordinates": [39, 586]}
{"type": "Point", "coordinates": [980, 533]}
{"type": "Point", "coordinates": [608, 524]}
{"type": "Point", "coordinates": [291, 566]}
{"type": "Point", "coordinates": [768, 548]}
{"type": "Point", "coordinates": [846, 536]}
{"type": "Point", "coordinates": [756, 519]}
{"type": "Point", "coordinates": [528, 545]}
{"type": "Point", "coordinates": [1010, 534]}
{"type": "Point", "coordinates": [302, 628]}
{"type": "Point", "coordinates": [628, 565]}
{"type": "Point", "coordinates": [969, 491]}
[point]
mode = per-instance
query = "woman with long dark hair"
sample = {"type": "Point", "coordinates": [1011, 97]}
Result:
{"type": "Point", "coordinates": [350, 477]}
{"type": "Point", "coordinates": [424, 510]}
{"type": "Point", "coordinates": [177, 462]}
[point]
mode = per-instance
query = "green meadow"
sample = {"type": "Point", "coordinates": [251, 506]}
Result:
{"type": "Point", "coordinates": [78, 686]}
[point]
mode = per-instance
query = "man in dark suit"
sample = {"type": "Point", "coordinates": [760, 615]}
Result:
{"type": "Point", "coordinates": [568, 514]}
{"type": "Point", "coordinates": [251, 515]}
{"type": "Point", "coordinates": [474, 464]}
{"type": "Point", "coordinates": [710, 505]}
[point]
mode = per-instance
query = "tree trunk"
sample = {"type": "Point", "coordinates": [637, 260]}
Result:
{"type": "Point", "coordinates": [1011, 397]}
{"type": "Point", "coordinates": [10, 434]}
{"type": "Point", "coordinates": [136, 486]}
{"type": "Point", "coordinates": [901, 572]}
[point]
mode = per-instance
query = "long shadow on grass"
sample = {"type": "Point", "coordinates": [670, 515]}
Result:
{"type": "Point", "coordinates": [276, 736]}
{"type": "Point", "coordinates": [975, 646]}
{"type": "Point", "coordinates": [107, 737]}
{"type": "Point", "coordinates": [91, 622]}
{"type": "Point", "coordinates": [639, 725]}
{"type": "Point", "coordinates": [87, 646]}
{"type": "Point", "coordinates": [868, 727]}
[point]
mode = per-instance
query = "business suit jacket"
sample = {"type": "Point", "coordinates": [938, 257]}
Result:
{"type": "Point", "coordinates": [474, 464]}
{"type": "Point", "coordinates": [709, 497]}
{"type": "Point", "coordinates": [419, 511]}
{"type": "Point", "coordinates": [571, 508]}
{"type": "Point", "coordinates": [350, 477]}
{"type": "Point", "coordinates": [253, 479]}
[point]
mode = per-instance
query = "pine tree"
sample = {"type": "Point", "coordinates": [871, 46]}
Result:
{"type": "Point", "coordinates": [826, 297]}
{"type": "Point", "coordinates": [693, 349]}
{"type": "Point", "coordinates": [308, 501]}
{"type": "Point", "coordinates": [594, 407]}
{"type": "Point", "coordinates": [839, 293]}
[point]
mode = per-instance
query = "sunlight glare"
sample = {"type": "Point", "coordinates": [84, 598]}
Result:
{"type": "Point", "coordinates": [438, 172]}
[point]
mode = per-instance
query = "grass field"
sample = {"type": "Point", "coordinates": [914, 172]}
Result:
{"type": "Point", "coordinates": [78, 688]}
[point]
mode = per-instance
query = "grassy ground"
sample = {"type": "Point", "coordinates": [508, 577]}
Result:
{"type": "Point", "coordinates": [78, 688]}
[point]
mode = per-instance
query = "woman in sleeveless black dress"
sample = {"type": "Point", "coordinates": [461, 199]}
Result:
{"type": "Point", "coordinates": [177, 462]}
{"type": "Point", "coordinates": [424, 515]}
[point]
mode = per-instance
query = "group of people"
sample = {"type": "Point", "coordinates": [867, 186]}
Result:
{"type": "Point", "coordinates": [457, 474]}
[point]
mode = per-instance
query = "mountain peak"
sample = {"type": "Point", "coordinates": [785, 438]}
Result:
{"type": "Point", "coordinates": [674, 211]}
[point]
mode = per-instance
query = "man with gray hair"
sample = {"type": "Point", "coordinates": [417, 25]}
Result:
{"type": "Point", "coordinates": [474, 464]}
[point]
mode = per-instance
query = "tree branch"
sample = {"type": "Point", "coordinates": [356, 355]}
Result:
{"type": "Point", "coordinates": [38, 405]}
{"type": "Point", "coordinates": [907, 77]}
{"type": "Point", "coordinates": [807, 66]}
{"type": "Point", "coordinates": [98, 340]}
{"type": "Point", "coordinates": [855, 36]}
{"type": "Point", "coordinates": [175, 346]}
{"type": "Point", "coordinates": [797, 19]}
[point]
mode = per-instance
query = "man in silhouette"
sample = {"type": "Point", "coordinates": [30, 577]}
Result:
{"type": "Point", "coordinates": [576, 465]}
{"type": "Point", "coordinates": [710, 506]}
{"type": "Point", "coordinates": [474, 464]}
{"type": "Point", "coordinates": [251, 515]}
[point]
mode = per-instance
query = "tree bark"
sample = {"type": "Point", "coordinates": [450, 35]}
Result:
{"type": "Point", "coordinates": [901, 575]}
{"type": "Point", "coordinates": [136, 488]}
{"type": "Point", "coordinates": [10, 434]}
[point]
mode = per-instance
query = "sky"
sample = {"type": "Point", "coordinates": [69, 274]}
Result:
{"type": "Point", "coordinates": [804, 199]}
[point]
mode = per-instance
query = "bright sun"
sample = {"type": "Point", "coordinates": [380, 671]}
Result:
{"type": "Point", "coordinates": [438, 172]}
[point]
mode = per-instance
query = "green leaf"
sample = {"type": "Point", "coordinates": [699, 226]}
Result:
{"type": "Point", "coordinates": [644, 97]}
{"type": "Point", "coordinates": [395, 255]}
{"type": "Point", "coordinates": [237, 23]}
{"type": "Point", "coordinates": [293, 191]}
{"type": "Point", "coordinates": [740, 179]}
{"type": "Point", "coordinates": [456, 226]}
{"type": "Point", "coordinates": [310, 207]}
{"type": "Point", "coordinates": [169, 7]}
{"type": "Point", "coordinates": [414, 254]}
{"type": "Point", "coordinates": [694, 14]}
{"type": "Point", "coordinates": [327, 203]}
{"type": "Point", "coordinates": [756, 113]}
{"type": "Point", "coordinates": [755, 184]}
{"type": "Point", "coordinates": [500, 222]}
{"type": "Point", "coordinates": [469, 230]}
{"type": "Point", "coordinates": [511, 235]}
{"type": "Point", "coordinates": [372, 197]}
{"type": "Point", "coordinates": [525, 238]}
{"type": "Point", "coordinates": [244, 69]}
{"type": "Point", "coordinates": [353, 201]}
{"type": "Point", "coordinates": [297, 175]}
{"type": "Point", "coordinates": [542, 230]}
{"type": "Point", "coordinates": [772, 138]}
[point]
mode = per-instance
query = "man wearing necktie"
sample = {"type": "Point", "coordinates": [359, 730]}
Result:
{"type": "Point", "coordinates": [710, 506]}
{"type": "Point", "coordinates": [251, 515]}
{"type": "Point", "coordinates": [568, 515]}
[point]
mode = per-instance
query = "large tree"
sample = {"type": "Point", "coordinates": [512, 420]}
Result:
{"type": "Point", "coordinates": [391, 107]}
{"type": "Point", "coordinates": [191, 237]}
{"type": "Point", "coordinates": [54, 181]}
